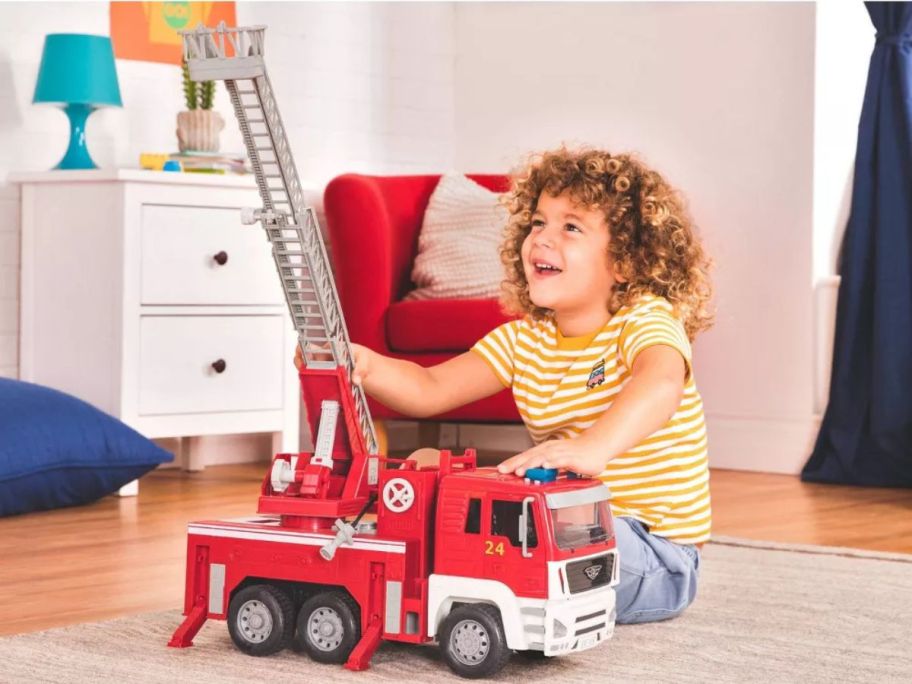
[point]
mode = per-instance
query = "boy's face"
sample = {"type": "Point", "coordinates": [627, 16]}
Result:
{"type": "Point", "coordinates": [565, 256]}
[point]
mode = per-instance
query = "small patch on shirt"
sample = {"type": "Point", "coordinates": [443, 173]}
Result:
{"type": "Point", "coordinates": [596, 375]}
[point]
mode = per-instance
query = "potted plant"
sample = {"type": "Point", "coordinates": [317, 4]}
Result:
{"type": "Point", "coordinates": [198, 128]}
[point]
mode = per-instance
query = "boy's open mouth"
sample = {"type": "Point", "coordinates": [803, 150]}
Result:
{"type": "Point", "coordinates": [543, 268]}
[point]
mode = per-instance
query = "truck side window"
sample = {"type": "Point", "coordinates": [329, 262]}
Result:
{"type": "Point", "coordinates": [473, 517]}
{"type": "Point", "coordinates": [505, 522]}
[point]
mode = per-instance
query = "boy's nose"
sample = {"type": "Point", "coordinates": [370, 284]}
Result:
{"type": "Point", "coordinates": [543, 238]}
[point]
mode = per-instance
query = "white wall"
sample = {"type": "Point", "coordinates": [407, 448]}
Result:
{"type": "Point", "coordinates": [845, 40]}
{"type": "Point", "coordinates": [720, 98]}
{"type": "Point", "coordinates": [362, 87]}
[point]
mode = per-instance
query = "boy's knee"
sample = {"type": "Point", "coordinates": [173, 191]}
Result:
{"type": "Point", "coordinates": [425, 456]}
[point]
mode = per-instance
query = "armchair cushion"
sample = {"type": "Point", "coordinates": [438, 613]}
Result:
{"type": "Point", "coordinates": [451, 325]}
{"type": "Point", "coordinates": [459, 243]}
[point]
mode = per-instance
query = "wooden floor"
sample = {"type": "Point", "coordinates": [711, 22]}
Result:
{"type": "Point", "coordinates": [123, 556]}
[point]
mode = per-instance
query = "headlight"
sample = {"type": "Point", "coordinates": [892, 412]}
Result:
{"type": "Point", "coordinates": [560, 630]}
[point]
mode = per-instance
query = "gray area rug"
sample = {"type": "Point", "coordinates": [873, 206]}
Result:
{"type": "Point", "coordinates": [765, 613]}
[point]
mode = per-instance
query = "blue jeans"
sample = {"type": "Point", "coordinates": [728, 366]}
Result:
{"type": "Point", "coordinates": [658, 577]}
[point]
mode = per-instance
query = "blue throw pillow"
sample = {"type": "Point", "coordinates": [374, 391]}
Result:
{"type": "Point", "coordinates": [57, 450]}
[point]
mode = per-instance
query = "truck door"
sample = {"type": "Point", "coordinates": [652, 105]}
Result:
{"type": "Point", "coordinates": [459, 538]}
{"type": "Point", "coordinates": [503, 548]}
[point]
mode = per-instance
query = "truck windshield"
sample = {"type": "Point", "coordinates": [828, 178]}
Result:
{"type": "Point", "coordinates": [581, 525]}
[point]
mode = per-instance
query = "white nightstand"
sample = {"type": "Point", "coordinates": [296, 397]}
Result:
{"type": "Point", "coordinates": [143, 294]}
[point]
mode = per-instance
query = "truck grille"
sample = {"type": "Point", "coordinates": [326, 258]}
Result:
{"type": "Point", "coordinates": [590, 573]}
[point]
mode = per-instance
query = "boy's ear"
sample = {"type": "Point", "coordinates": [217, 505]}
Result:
{"type": "Point", "coordinates": [618, 270]}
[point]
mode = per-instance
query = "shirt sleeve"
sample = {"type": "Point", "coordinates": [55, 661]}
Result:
{"type": "Point", "coordinates": [657, 325]}
{"type": "Point", "coordinates": [498, 348]}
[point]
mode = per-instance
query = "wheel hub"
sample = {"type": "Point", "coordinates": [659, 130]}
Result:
{"type": "Point", "coordinates": [254, 621]}
{"type": "Point", "coordinates": [325, 629]}
{"type": "Point", "coordinates": [470, 642]}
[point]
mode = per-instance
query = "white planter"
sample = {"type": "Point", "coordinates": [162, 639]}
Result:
{"type": "Point", "coordinates": [198, 130]}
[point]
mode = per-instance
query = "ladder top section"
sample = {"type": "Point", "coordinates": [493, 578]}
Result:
{"type": "Point", "coordinates": [224, 53]}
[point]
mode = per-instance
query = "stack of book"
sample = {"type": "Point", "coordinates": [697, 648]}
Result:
{"type": "Point", "coordinates": [198, 162]}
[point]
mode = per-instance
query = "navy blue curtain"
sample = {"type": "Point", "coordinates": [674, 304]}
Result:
{"type": "Point", "coordinates": [866, 435]}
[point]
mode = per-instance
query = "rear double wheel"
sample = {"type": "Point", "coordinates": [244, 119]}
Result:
{"type": "Point", "coordinates": [328, 627]}
{"type": "Point", "coordinates": [261, 619]}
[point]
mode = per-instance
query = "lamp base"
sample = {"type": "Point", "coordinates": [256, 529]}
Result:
{"type": "Point", "coordinates": [77, 154]}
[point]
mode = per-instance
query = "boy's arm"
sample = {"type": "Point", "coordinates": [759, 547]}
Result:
{"type": "Point", "coordinates": [421, 392]}
{"type": "Point", "coordinates": [648, 401]}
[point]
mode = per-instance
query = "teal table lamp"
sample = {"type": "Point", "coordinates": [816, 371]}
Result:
{"type": "Point", "coordinates": [77, 71]}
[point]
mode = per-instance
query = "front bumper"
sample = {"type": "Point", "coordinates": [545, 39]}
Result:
{"type": "Point", "coordinates": [561, 626]}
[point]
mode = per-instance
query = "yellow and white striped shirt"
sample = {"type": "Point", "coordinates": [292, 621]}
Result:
{"type": "Point", "coordinates": [563, 384]}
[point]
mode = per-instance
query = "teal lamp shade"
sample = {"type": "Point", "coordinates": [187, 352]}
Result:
{"type": "Point", "coordinates": [78, 72]}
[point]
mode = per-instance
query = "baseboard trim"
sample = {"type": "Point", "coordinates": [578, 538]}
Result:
{"type": "Point", "coordinates": [762, 445]}
{"type": "Point", "coordinates": [735, 443]}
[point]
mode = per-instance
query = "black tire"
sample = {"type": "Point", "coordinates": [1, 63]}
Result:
{"type": "Point", "coordinates": [261, 619]}
{"type": "Point", "coordinates": [473, 642]}
{"type": "Point", "coordinates": [328, 627]}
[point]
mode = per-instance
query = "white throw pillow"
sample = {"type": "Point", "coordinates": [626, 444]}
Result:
{"type": "Point", "coordinates": [459, 243]}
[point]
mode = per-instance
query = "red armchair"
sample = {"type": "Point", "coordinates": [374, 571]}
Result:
{"type": "Point", "coordinates": [373, 225]}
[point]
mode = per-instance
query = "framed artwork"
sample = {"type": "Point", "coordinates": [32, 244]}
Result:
{"type": "Point", "coordinates": [148, 31]}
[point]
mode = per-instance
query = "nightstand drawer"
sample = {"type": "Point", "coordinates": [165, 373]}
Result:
{"type": "Point", "coordinates": [204, 255]}
{"type": "Point", "coordinates": [202, 364]}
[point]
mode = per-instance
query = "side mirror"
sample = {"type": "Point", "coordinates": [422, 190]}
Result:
{"type": "Point", "coordinates": [524, 526]}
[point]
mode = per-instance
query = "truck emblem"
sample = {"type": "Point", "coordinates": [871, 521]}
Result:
{"type": "Point", "coordinates": [398, 495]}
{"type": "Point", "coordinates": [593, 571]}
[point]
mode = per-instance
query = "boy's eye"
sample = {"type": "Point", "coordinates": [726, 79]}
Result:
{"type": "Point", "coordinates": [537, 223]}
{"type": "Point", "coordinates": [572, 227]}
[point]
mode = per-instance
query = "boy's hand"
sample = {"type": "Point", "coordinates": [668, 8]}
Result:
{"type": "Point", "coordinates": [361, 359]}
{"type": "Point", "coordinates": [577, 455]}
{"type": "Point", "coordinates": [362, 363]}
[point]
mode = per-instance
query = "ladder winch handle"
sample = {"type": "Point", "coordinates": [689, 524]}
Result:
{"type": "Point", "coordinates": [249, 216]}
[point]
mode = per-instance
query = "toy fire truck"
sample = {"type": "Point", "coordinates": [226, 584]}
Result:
{"type": "Point", "coordinates": [348, 548]}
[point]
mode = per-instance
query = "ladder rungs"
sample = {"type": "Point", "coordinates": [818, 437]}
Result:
{"type": "Point", "coordinates": [253, 106]}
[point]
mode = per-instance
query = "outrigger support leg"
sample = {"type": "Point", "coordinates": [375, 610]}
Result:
{"type": "Point", "coordinates": [183, 635]}
{"type": "Point", "coordinates": [364, 650]}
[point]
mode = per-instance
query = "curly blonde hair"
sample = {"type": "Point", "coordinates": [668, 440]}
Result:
{"type": "Point", "coordinates": [653, 243]}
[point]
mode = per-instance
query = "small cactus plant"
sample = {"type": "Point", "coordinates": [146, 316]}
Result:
{"type": "Point", "coordinates": [198, 128]}
{"type": "Point", "coordinates": [207, 94]}
{"type": "Point", "coordinates": [197, 95]}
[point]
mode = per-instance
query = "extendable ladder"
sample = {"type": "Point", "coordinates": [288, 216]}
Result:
{"type": "Point", "coordinates": [235, 56]}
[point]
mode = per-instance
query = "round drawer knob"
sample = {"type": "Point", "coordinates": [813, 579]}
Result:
{"type": "Point", "coordinates": [219, 366]}
{"type": "Point", "coordinates": [221, 258]}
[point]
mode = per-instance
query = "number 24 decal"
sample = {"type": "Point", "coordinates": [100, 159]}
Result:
{"type": "Point", "coordinates": [491, 549]}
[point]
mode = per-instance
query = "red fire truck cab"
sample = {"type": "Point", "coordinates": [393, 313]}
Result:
{"type": "Point", "coordinates": [481, 562]}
